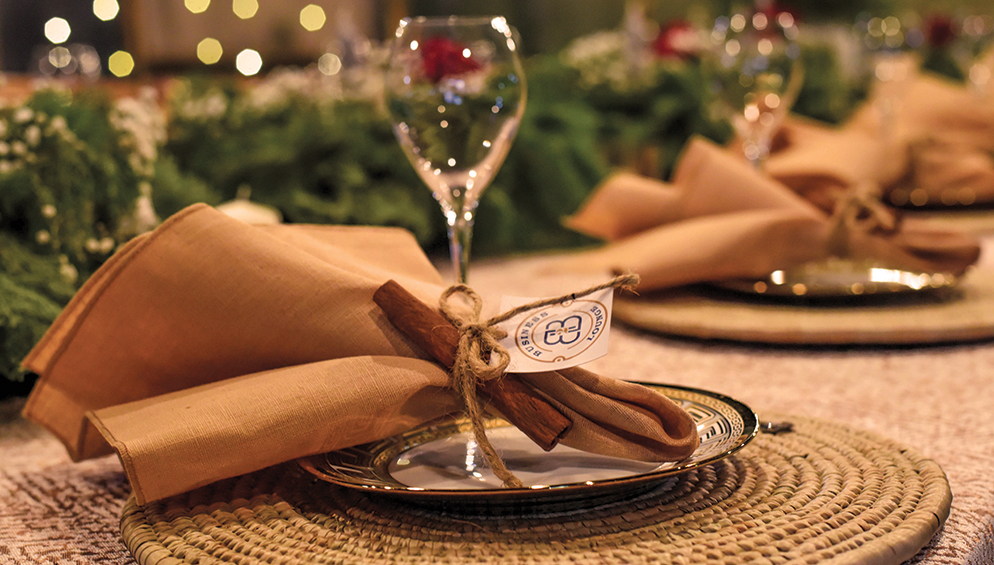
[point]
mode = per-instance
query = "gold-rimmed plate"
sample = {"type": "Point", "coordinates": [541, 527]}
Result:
{"type": "Point", "coordinates": [440, 462]}
{"type": "Point", "coordinates": [841, 278]}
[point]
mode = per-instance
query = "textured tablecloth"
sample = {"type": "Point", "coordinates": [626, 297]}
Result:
{"type": "Point", "coordinates": [937, 399]}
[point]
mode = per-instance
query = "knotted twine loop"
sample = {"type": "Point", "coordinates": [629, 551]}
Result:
{"type": "Point", "coordinates": [860, 209]}
{"type": "Point", "coordinates": [480, 357]}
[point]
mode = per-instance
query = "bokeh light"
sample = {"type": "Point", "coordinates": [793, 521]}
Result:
{"type": "Point", "coordinates": [245, 9]}
{"type": "Point", "coordinates": [209, 51]}
{"type": "Point", "coordinates": [329, 64]}
{"type": "Point", "coordinates": [89, 60]}
{"type": "Point", "coordinates": [197, 6]}
{"type": "Point", "coordinates": [106, 10]}
{"type": "Point", "coordinates": [57, 30]}
{"type": "Point", "coordinates": [312, 17]}
{"type": "Point", "coordinates": [121, 63]}
{"type": "Point", "coordinates": [248, 62]}
{"type": "Point", "coordinates": [60, 57]}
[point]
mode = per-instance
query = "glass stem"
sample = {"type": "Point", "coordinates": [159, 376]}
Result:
{"type": "Point", "coordinates": [460, 216]}
{"type": "Point", "coordinates": [756, 151]}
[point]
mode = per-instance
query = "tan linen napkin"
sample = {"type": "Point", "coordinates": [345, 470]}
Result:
{"type": "Point", "coordinates": [821, 162]}
{"type": "Point", "coordinates": [928, 105]}
{"type": "Point", "coordinates": [949, 172]}
{"type": "Point", "coordinates": [211, 348]}
{"type": "Point", "coordinates": [727, 220]}
{"type": "Point", "coordinates": [938, 141]}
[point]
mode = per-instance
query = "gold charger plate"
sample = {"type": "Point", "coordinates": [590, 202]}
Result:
{"type": "Point", "coordinates": [961, 313]}
{"type": "Point", "coordinates": [439, 463]}
{"type": "Point", "coordinates": [835, 279]}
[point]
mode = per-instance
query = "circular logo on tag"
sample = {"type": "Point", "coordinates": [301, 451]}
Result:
{"type": "Point", "coordinates": [555, 334]}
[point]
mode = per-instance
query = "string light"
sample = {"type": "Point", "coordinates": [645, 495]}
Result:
{"type": "Point", "coordinates": [105, 10]}
{"type": "Point", "coordinates": [329, 64]}
{"type": "Point", "coordinates": [312, 17]}
{"type": "Point", "coordinates": [209, 51]}
{"type": "Point", "coordinates": [245, 9]}
{"type": "Point", "coordinates": [60, 57]}
{"type": "Point", "coordinates": [57, 30]}
{"type": "Point", "coordinates": [121, 63]}
{"type": "Point", "coordinates": [89, 60]}
{"type": "Point", "coordinates": [248, 62]}
{"type": "Point", "coordinates": [197, 6]}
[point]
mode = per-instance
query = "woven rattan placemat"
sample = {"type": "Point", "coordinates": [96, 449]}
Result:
{"type": "Point", "coordinates": [977, 221]}
{"type": "Point", "coordinates": [822, 493]}
{"type": "Point", "coordinates": [963, 313]}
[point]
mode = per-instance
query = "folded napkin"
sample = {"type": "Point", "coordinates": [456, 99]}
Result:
{"type": "Point", "coordinates": [821, 162]}
{"type": "Point", "coordinates": [211, 348]}
{"type": "Point", "coordinates": [928, 105]}
{"type": "Point", "coordinates": [938, 141]}
{"type": "Point", "coordinates": [720, 218]}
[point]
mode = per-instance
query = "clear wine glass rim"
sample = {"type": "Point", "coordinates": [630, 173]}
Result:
{"type": "Point", "coordinates": [445, 20]}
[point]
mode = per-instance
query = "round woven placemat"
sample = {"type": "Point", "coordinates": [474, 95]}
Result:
{"type": "Point", "coordinates": [976, 221]}
{"type": "Point", "coordinates": [964, 313]}
{"type": "Point", "coordinates": [822, 493]}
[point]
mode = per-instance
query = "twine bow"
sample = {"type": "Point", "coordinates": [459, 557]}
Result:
{"type": "Point", "coordinates": [480, 357]}
{"type": "Point", "coordinates": [859, 209]}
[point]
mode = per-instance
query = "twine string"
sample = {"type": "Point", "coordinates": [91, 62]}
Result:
{"type": "Point", "coordinates": [859, 209]}
{"type": "Point", "coordinates": [480, 357]}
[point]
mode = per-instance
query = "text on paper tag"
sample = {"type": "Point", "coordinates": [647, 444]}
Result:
{"type": "Point", "coordinates": [554, 337]}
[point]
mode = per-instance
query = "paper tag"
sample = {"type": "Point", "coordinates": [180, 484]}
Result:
{"type": "Point", "coordinates": [555, 337]}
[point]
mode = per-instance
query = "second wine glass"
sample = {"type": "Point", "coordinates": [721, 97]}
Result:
{"type": "Point", "coordinates": [455, 90]}
{"type": "Point", "coordinates": [757, 75]}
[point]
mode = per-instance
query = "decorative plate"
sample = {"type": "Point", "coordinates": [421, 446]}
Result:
{"type": "Point", "coordinates": [840, 278]}
{"type": "Point", "coordinates": [440, 462]}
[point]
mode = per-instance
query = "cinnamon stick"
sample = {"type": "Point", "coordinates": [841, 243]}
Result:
{"type": "Point", "coordinates": [542, 422]}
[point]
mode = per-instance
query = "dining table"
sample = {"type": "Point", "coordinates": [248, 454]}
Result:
{"type": "Point", "coordinates": [937, 398]}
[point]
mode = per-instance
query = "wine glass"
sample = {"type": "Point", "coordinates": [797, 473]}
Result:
{"type": "Point", "coordinates": [757, 75]}
{"type": "Point", "coordinates": [455, 90]}
{"type": "Point", "coordinates": [978, 34]}
{"type": "Point", "coordinates": [891, 65]}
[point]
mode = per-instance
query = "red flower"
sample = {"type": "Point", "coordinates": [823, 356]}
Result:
{"type": "Point", "coordinates": [677, 39]}
{"type": "Point", "coordinates": [444, 57]}
{"type": "Point", "coordinates": [939, 30]}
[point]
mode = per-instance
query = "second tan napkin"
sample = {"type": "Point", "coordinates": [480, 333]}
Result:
{"type": "Point", "coordinates": [719, 218]}
{"type": "Point", "coordinates": [935, 147]}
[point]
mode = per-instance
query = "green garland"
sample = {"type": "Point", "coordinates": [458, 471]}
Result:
{"type": "Point", "coordinates": [818, 10]}
{"type": "Point", "coordinates": [33, 290]}
{"type": "Point", "coordinates": [317, 160]}
{"type": "Point", "coordinates": [72, 168]}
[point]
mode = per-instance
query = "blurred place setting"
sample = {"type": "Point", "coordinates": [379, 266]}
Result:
{"type": "Point", "coordinates": [545, 281]}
